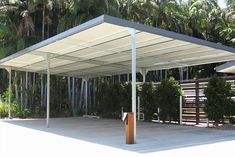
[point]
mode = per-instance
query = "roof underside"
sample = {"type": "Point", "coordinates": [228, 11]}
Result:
{"type": "Point", "coordinates": [102, 47]}
{"type": "Point", "coordinates": [228, 67]}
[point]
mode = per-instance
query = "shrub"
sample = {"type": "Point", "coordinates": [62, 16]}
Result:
{"type": "Point", "coordinates": [109, 99]}
{"type": "Point", "coordinates": [167, 98]}
{"type": "Point", "coordinates": [24, 113]}
{"type": "Point", "coordinates": [218, 103]}
{"type": "Point", "coordinates": [148, 101]}
{"type": "Point", "coordinates": [3, 110]}
{"type": "Point", "coordinates": [79, 112]}
{"type": "Point", "coordinates": [127, 97]}
{"type": "Point", "coordinates": [16, 110]}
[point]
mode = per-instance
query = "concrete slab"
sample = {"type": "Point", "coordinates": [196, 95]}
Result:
{"type": "Point", "coordinates": [105, 137]}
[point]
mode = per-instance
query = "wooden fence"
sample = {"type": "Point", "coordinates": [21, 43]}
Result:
{"type": "Point", "coordinates": [193, 108]}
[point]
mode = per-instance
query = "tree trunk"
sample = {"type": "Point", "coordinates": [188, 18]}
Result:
{"type": "Point", "coordinates": [86, 100]}
{"type": "Point", "coordinates": [94, 90]}
{"type": "Point", "coordinates": [89, 93]}
{"type": "Point", "coordinates": [42, 104]}
{"type": "Point", "coordinates": [160, 74]}
{"type": "Point", "coordinates": [181, 72]}
{"type": "Point", "coordinates": [156, 74]}
{"type": "Point", "coordinates": [21, 92]}
{"type": "Point", "coordinates": [128, 7]}
{"type": "Point", "coordinates": [73, 79]}
{"type": "Point", "coordinates": [43, 22]}
{"type": "Point", "coordinates": [45, 94]}
{"type": "Point", "coordinates": [33, 95]}
{"type": "Point", "coordinates": [26, 87]}
{"type": "Point", "coordinates": [165, 74]}
{"type": "Point", "coordinates": [81, 94]}
{"type": "Point", "coordinates": [48, 29]}
{"type": "Point", "coordinates": [76, 93]}
{"type": "Point", "coordinates": [69, 90]}
{"type": "Point", "coordinates": [16, 86]}
{"type": "Point", "coordinates": [29, 90]}
{"type": "Point", "coordinates": [187, 73]}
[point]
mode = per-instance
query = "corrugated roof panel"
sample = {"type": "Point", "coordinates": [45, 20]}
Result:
{"type": "Point", "coordinates": [103, 47]}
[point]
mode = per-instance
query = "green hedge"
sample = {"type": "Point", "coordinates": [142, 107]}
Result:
{"type": "Point", "coordinates": [167, 98]}
{"type": "Point", "coordinates": [148, 100]}
{"type": "Point", "coordinates": [111, 97]}
{"type": "Point", "coordinates": [219, 102]}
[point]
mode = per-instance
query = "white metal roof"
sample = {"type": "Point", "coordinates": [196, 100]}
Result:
{"type": "Point", "coordinates": [102, 46]}
{"type": "Point", "coordinates": [228, 67]}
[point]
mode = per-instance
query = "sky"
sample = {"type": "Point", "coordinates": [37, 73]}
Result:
{"type": "Point", "coordinates": [221, 3]}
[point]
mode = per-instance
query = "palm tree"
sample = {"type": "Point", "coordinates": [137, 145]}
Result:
{"type": "Point", "coordinates": [26, 26]}
{"type": "Point", "coordinates": [226, 28]}
{"type": "Point", "coordinates": [77, 12]}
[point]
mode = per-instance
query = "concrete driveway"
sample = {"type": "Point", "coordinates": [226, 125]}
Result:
{"type": "Point", "coordinates": [104, 137]}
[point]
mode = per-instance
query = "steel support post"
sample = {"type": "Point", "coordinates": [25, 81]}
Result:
{"type": "Point", "coordinates": [133, 37]}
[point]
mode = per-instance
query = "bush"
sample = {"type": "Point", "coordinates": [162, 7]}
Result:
{"type": "Point", "coordinates": [79, 112]}
{"type": "Point", "coordinates": [3, 110]}
{"type": "Point", "coordinates": [16, 110]}
{"type": "Point", "coordinates": [24, 113]}
{"type": "Point", "coordinates": [148, 101]}
{"type": "Point", "coordinates": [127, 97]}
{"type": "Point", "coordinates": [167, 98]}
{"type": "Point", "coordinates": [218, 103]}
{"type": "Point", "coordinates": [109, 98]}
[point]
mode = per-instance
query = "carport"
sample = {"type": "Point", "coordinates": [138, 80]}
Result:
{"type": "Point", "coordinates": [108, 46]}
{"type": "Point", "coordinates": [228, 67]}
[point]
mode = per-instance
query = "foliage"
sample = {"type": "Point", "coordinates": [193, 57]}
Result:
{"type": "Point", "coordinates": [112, 97]}
{"type": "Point", "coordinates": [167, 98]}
{"type": "Point", "coordinates": [218, 103]}
{"type": "Point", "coordinates": [16, 109]}
{"type": "Point", "coordinates": [148, 101]}
{"type": "Point", "coordinates": [19, 112]}
{"type": "Point", "coordinates": [79, 112]}
{"type": "Point", "coordinates": [109, 99]}
{"type": "Point", "coordinates": [23, 23]}
{"type": "Point", "coordinates": [127, 97]}
{"type": "Point", "coordinates": [3, 110]}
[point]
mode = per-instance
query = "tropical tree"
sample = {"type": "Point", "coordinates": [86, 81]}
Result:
{"type": "Point", "coordinates": [77, 12]}
{"type": "Point", "coordinates": [24, 22]}
{"type": "Point", "coordinates": [226, 28]}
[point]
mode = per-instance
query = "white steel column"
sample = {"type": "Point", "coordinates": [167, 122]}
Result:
{"type": "Point", "coordinates": [144, 78]}
{"type": "Point", "coordinates": [48, 89]}
{"type": "Point", "coordinates": [207, 123]}
{"type": "Point", "coordinates": [133, 36]}
{"type": "Point", "coordinates": [144, 73]}
{"type": "Point", "coordinates": [9, 96]}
